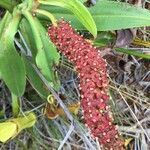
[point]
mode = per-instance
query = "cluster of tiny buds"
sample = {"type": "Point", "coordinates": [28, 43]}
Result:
{"type": "Point", "coordinates": [93, 82]}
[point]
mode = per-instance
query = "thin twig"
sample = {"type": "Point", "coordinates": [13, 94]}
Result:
{"type": "Point", "coordinates": [66, 137]}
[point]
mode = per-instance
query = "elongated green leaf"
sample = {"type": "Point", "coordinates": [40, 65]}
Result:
{"type": "Point", "coordinates": [109, 15]}
{"type": "Point", "coordinates": [47, 55]}
{"type": "Point", "coordinates": [28, 38]}
{"type": "Point", "coordinates": [4, 22]}
{"type": "Point", "coordinates": [9, 4]}
{"type": "Point", "coordinates": [35, 80]}
{"type": "Point", "coordinates": [49, 48]}
{"type": "Point", "coordinates": [11, 64]}
{"type": "Point", "coordinates": [132, 52]}
{"type": "Point", "coordinates": [32, 76]}
{"type": "Point", "coordinates": [78, 9]}
{"type": "Point", "coordinates": [115, 15]}
{"type": "Point", "coordinates": [51, 54]}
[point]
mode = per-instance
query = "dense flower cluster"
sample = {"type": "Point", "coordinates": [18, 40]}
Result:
{"type": "Point", "coordinates": [93, 82]}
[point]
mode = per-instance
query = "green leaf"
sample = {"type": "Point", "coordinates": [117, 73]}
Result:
{"type": "Point", "coordinates": [115, 15]}
{"type": "Point", "coordinates": [47, 56]}
{"type": "Point", "coordinates": [4, 22]}
{"type": "Point", "coordinates": [11, 64]}
{"type": "Point", "coordinates": [35, 80]}
{"type": "Point", "coordinates": [50, 49]}
{"type": "Point", "coordinates": [29, 42]}
{"type": "Point", "coordinates": [78, 9]}
{"type": "Point", "coordinates": [108, 15]}
{"type": "Point", "coordinates": [133, 52]}
{"type": "Point", "coordinates": [9, 4]}
{"type": "Point", "coordinates": [51, 54]}
{"type": "Point", "coordinates": [32, 76]}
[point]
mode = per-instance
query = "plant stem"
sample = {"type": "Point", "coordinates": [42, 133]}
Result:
{"type": "Point", "coordinates": [133, 52]}
{"type": "Point", "coordinates": [30, 4]}
{"type": "Point", "coordinates": [141, 42]}
{"type": "Point", "coordinates": [15, 105]}
{"type": "Point", "coordinates": [47, 14]}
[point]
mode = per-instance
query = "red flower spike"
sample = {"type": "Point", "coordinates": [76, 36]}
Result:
{"type": "Point", "coordinates": [93, 83]}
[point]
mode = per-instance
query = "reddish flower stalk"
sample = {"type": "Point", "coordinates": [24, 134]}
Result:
{"type": "Point", "coordinates": [93, 83]}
